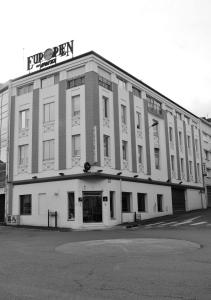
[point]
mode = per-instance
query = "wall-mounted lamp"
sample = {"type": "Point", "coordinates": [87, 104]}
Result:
{"type": "Point", "coordinates": [119, 173]}
{"type": "Point", "coordinates": [154, 124]}
{"type": "Point", "coordinates": [180, 182]}
{"type": "Point", "coordinates": [99, 171]}
{"type": "Point", "coordinates": [168, 180]}
{"type": "Point", "coordinates": [135, 176]}
{"type": "Point", "coordinates": [61, 174]}
{"type": "Point", "coordinates": [34, 177]}
{"type": "Point", "coordinates": [149, 178]}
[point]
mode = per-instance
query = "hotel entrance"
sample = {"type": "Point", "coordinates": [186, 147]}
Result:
{"type": "Point", "coordinates": [92, 207]}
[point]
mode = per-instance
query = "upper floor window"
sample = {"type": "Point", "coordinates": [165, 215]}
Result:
{"type": "Point", "coordinates": [48, 150]}
{"type": "Point", "coordinates": [180, 138]}
{"type": "Point", "coordinates": [48, 81]}
{"type": "Point", "coordinates": [189, 142]}
{"type": "Point", "coordinates": [198, 171]}
{"type": "Point", "coordinates": [105, 83]}
{"type": "Point", "coordinates": [121, 83]}
{"type": "Point", "coordinates": [105, 107]}
{"type": "Point", "coordinates": [206, 153]}
{"type": "Point", "coordinates": [76, 82]}
{"type": "Point", "coordinates": [23, 155]}
{"type": "Point", "coordinates": [123, 114]}
{"type": "Point", "coordinates": [172, 163]}
{"type": "Point", "coordinates": [182, 165]}
{"type": "Point", "coordinates": [25, 89]}
{"type": "Point", "coordinates": [138, 120]}
{"type": "Point", "coordinates": [76, 145]}
{"type": "Point", "coordinates": [179, 116]}
{"type": "Point", "coordinates": [157, 158]}
{"type": "Point", "coordinates": [124, 150]}
{"type": "Point", "coordinates": [75, 105]}
{"type": "Point", "coordinates": [140, 154]}
{"type": "Point", "coordinates": [171, 134]}
{"type": "Point", "coordinates": [196, 145]}
{"type": "Point", "coordinates": [190, 168]}
{"type": "Point", "coordinates": [187, 120]}
{"type": "Point", "coordinates": [24, 119]}
{"type": "Point", "coordinates": [48, 112]}
{"type": "Point", "coordinates": [154, 105]}
{"type": "Point", "coordinates": [106, 140]}
{"type": "Point", "coordinates": [136, 92]}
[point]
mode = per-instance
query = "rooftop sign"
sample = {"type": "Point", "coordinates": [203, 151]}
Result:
{"type": "Point", "coordinates": [49, 56]}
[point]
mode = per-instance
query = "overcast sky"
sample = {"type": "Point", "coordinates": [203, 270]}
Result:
{"type": "Point", "coordinates": [165, 43]}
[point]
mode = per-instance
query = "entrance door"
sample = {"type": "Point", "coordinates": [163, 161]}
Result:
{"type": "Point", "coordinates": [92, 207]}
{"type": "Point", "coordinates": [178, 200]}
{"type": "Point", "coordinates": [2, 208]}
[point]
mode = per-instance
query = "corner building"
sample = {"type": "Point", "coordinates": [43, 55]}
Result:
{"type": "Point", "coordinates": [144, 149]}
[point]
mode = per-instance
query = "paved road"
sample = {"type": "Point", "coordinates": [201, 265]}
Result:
{"type": "Point", "coordinates": [140, 263]}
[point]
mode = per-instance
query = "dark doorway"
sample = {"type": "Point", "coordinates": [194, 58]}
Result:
{"type": "Point", "coordinates": [209, 196]}
{"type": "Point", "coordinates": [2, 208]}
{"type": "Point", "coordinates": [178, 200]}
{"type": "Point", "coordinates": [92, 207]}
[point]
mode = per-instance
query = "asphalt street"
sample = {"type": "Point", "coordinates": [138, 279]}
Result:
{"type": "Point", "coordinates": [145, 262]}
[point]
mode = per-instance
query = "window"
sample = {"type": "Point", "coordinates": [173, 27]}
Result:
{"type": "Point", "coordinates": [157, 158]}
{"type": "Point", "coordinates": [136, 92]}
{"type": "Point", "coordinates": [105, 83]}
{"type": "Point", "coordinates": [112, 205]}
{"type": "Point", "coordinates": [124, 150]}
{"type": "Point", "coordinates": [180, 139]}
{"type": "Point", "coordinates": [141, 202]}
{"type": "Point", "coordinates": [75, 105]}
{"type": "Point", "coordinates": [25, 89]}
{"type": "Point", "coordinates": [121, 83]}
{"type": "Point", "coordinates": [106, 140]}
{"type": "Point", "coordinates": [123, 114]}
{"type": "Point", "coordinates": [172, 163]}
{"type": "Point", "coordinates": [189, 142]}
{"type": "Point", "coordinates": [105, 107]}
{"type": "Point", "coordinates": [126, 202]}
{"type": "Point", "coordinates": [196, 145]}
{"type": "Point", "coordinates": [71, 205]}
{"type": "Point", "coordinates": [48, 110]}
{"type": "Point", "coordinates": [48, 81]}
{"type": "Point", "coordinates": [25, 204]}
{"type": "Point", "coordinates": [154, 105]}
{"type": "Point", "coordinates": [190, 168]}
{"type": "Point", "coordinates": [179, 116]}
{"type": "Point", "coordinates": [171, 134]}
{"type": "Point", "coordinates": [140, 160]}
{"type": "Point", "coordinates": [24, 119]}
{"type": "Point", "coordinates": [76, 145]}
{"type": "Point", "coordinates": [138, 120]}
{"type": "Point", "coordinates": [23, 155]}
{"type": "Point", "coordinates": [182, 165]}
{"type": "Point", "coordinates": [187, 120]}
{"type": "Point", "coordinates": [198, 171]}
{"type": "Point", "coordinates": [48, 150]}
{"type": "Point", "coordinates": [155, 127]}
{"type": "Point", "coordinates": [75, 82]}
{"type": "Point", "coordinates": [160, 202]}
{"type": "Point", "coordinates": [206, 155]}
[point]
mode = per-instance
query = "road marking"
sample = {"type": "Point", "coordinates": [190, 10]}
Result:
{"type": "Point", "coordinates": [152, 224]}
{"type": "Point", "coordinates": [199, 223]}
{"type": "Point", "coordinates": [166, 224]}
{"type": "Point", "coordinates": [185, 222]}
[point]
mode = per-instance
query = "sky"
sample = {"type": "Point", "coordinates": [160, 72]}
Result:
{"type": "Point", "coordinates": [164, 43]}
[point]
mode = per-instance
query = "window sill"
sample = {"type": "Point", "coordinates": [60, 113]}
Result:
{"type": "Point", "coordinates": [70, 219]}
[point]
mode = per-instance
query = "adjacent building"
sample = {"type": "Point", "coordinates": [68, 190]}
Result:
{"type": "Point", "coordinates": [94, 144]}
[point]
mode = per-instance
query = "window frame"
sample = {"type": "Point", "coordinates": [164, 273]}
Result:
{"type": "Point", "coordinates": [50, 150]}
{"type": "Point", "coordinates": [24, 211]}
{"type": "Point", "coordinates": [70, 208]}
{"type": "Point", "coordinates": [49, 112]}
{"type": "Point", "coordinates": [141, 206]}
{"type": "Point", "coordinates": [76, 152]}
{"type": "Point", "coordinates": [160, 202]}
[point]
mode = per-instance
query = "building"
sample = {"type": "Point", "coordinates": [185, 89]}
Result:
{"type": "Point", "coordinates": [96, 145]}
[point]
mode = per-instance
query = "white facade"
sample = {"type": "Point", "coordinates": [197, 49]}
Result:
{"type": "Point", "coordinates": [88, 110]}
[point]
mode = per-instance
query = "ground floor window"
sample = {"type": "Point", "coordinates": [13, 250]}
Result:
{"type": "Point", "coordinates": [141, 202]}
{"type": "Point", "coordinates": [25, 204]}
{"type": "Point", "coordinates": [126, 202]}
{"type": "Point", "coordinates": [160, 202]}
{"type": "Point", "coordinates": [71, 205]}
{"type": "Point", "coordinates": [112, 205]}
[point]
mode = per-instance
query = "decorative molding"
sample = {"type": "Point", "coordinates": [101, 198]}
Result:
{"type": "Point", "coordinates": [22, 168]}
{"type": "Point", "coordinates": [76, 160]}
{"type": "Point", "coordinates": [106, 122]}
{"type": "Point", "coordinates": [23, 132]}
{"type": "Point", "coordinates": [48, 165]}
{"type": "Point", "coordinates": [124, 128]}
{"type": "Point", "coordinates": [48, 126]}
{"type": "Point", "coordinates": [139, 133]}
{"type": "Point", "coordinates": [125, 164]}
{"type": "Point", "coordinates": [141, 168]}
{"type": "Point", "coordinates": [107, 161]}
{"type": "Point", "coordinates": [76, 120]}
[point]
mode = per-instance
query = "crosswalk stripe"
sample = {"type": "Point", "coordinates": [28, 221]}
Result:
{"type": "Point", "coordinates": [199, 223]}
{"type": "Point", "coordinates": [154, 224]}
{"type": "Point", "coordinates": [166, 224]}
{"type": "Point", "coordinates": [185, 222]}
